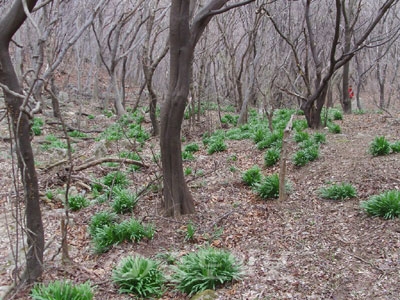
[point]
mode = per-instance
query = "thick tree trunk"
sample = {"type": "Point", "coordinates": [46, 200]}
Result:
{"type": "Point", "coordinates": [9, 24]}
{"type": "Point", "coordinates": [312, 109]}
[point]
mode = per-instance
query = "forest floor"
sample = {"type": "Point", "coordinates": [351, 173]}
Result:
{"type": "Point", "coordinates": [301, 248]}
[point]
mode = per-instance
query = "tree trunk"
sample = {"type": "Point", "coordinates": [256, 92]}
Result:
{"type": "Point", "coordinates": [313, 107]}
{"type": "Point", "coordinates": [9, 24]}
{"type": "Point", "coordinates": [177, 197]}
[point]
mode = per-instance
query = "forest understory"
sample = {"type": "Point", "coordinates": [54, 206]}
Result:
{"type": "Point", "coordinates": [302, 248]}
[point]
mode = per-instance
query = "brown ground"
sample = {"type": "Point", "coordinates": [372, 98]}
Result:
{"type": "Point", "coordinates": [303, 248]}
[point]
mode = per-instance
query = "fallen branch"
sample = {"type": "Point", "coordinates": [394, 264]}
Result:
{"type": "Point", "coordinates": [109, 159]}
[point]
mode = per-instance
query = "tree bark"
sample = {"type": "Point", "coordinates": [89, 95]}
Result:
{"type": "Point", "coordinates": [9, 24]}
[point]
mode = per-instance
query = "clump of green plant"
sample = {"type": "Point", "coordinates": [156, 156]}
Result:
{"type": "Point", "coordinates": [130, 230]}
{"type": "Point", "coordinates": [190, 231]}
{"type": "Point", "coordinates": [338, 191]}
{"type": "Point", "coordinates": [385, 205]}
{"type": "Point", "coordinates": [62, 290]}
{"type": "Point", "coordinates": [51, 141]}
{"type": "Point", "coordinates": [301, 136]}
{"type": "Point", "coordinates": [300, 124]}
{"type": "Point", "coordinates": [252, 176]}
{"type": "Point", "coordinates": [116, 178]}
{"type": "Point", "coordinates": [192, 147]}
{"type": "Point", "coordinates": [100, 220]}
{"type": "Point", "coordinates": [50, 194]}
{"type": "Point", "coordinates": [91, 117]}
{"type": "Point", "coordinates": [207, 268]}
{"type": "Point", "coordinates": [336, 114]}
{"type": "Point", "coordinates": [188, 171]}
{"type": "Point", "coordinates": [395, 147]}
{"type": "Point", "coordinates": [37, 124]}
{"type": "Point", "coordinates": [187, 155]}
{"type": "Point", "coordinates": [302, 157]}
{"type": "Point", "coordinates": [77, 134]}
{"type": "Point", "coordinates": [319, 138]}
{"type": "Point", "coordinates": [268, 187]}
{"type": "Point", "coordinates": [77, 202]}
{"type": "Point", "coordinates": [132, 156]}
{"type": "Point", "coordinates": [216, 146]}
{"type": "Point", "coordinates": [271, 157]}
{"type": "Point", "coordinates": [358, 112]}
{"type": "Point", "coordinates": [140, 276]}
{"type": "Point", "coordinates": [334, 128]}
{"type": "Point", "coordinates": [124, 201]}
{"type": "Point", "coordinates": [307, 144]}
{"type": "Point", "coordinates": [379, 146]}
{"type": "Point", "coordinates": [271, 140]}
{"type": "Point", "coordinates": [229, 119]}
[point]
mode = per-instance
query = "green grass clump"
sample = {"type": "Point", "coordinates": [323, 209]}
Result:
{"type": "Point", "coordinates": [130, 230]}
{"type": "Point", "coordinates": [216, 146]}
{"type": "Point", "coordinates": [123, 200]}
{"type": "Point", "coordinates": [268, 187]}
{"type": "Point", "coordinates": [77, 134]}
{"type": "Point", "coordinates": [190, 231]}
{"type": "Point", "coordinates": [229, 119]}
{"type": "Point", "coordinates": [192, 147]}
{"type": "Point", "coordinates": [207, 268]}
{"type": "Point", "coordinates": [395, 147]}
{"type": "Point", "coordinates": [336, 114]}
{"type": "Point", "coordinates": [334, 128]}
{"type": "Point", "coordinates": [132, 156]}
{"type": "Point", "coordinates": [187, 155]}
{"type": "Point", "coordinates": [114, 179]}
{"type": "Point", "coordinates": [62, 290]}
{"type": "Point", "coordinates": [252, 176]}
{"type": "Point", "coordinates": [302, 157]}
{"type": "Point", "coordinates": [379, 146]}
{"type": "Point", "coordinates": [77, 202]}
{"type": "Point", "coordinates": [271, 140]}
{"type": "Point", "coordinates": [300, 125]}
{"type": "Point", "coordinates": [139, 276]}
{"type": "Point", "coordinates": [100, 220]}
{"type": "Point", "coordinates": [319, 138]}
{"type": "Point", "coordinates": [338, 191]}
{"type": "Point", "coordinates": [301, 136]}
{"type": "Point", "coordinates": [307, 144]}
{"type": "Point", "coordinates": [271, 157]}
{"type": "Point", "coordinates": [51, 142]}
{"type": "Point", "coordinates": [37, 124]}
{"type": "Point", "coordinates": [385, 205]}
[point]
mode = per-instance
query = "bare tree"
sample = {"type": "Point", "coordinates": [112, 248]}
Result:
{"type": "Point", "coordinates": [183, 39]}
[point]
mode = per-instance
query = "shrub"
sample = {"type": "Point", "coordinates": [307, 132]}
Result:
{"type": "Point", "coordinates": [271, 157]}
{"type": "Point", "coordinates": [192, 148]}
{"type": "Point", "coordinates": [139, 276]}
{"type": "Point", "coordinates": [216, 146]}
{"type": "Point", "coordinates": [116, 178]}
{"type": "Point", "coordinates": [123, 200]}
{"type": "Point", "coordinates": [385, 205]}
{"type": "Point", "coordinates": [268, 187]}
{"type": "Point", "coordinates": [334, 128]}
{"type": "Point", "coordinates": [252, 176]}
{"type": "Point", "coordinates": [205, 269]}
{"type": "Point", "coordinates": [77, 202]}
{"type": "Point", "coordinates": [379, 146]}
{"type": "Point", "coordinates": [338, 191]}
{"type": "Point", "coordinates": [395, 147]}
{"type": "Point", "coordinates": [62, 290]}
{"type": "Point", "coordinates": [101, 220]}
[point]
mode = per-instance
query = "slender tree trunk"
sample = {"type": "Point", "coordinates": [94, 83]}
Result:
{"type": "Point", "coordinates": [177, 197]}
{"type": "Point", "coordinates": [9, 24]}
